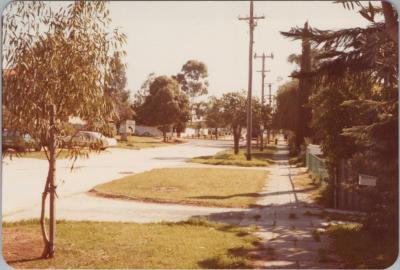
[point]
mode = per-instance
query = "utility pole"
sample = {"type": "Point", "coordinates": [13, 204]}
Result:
{"type": "Point", "coordinates": [263, 71]}
{"type": "Point", "coordinates": [270, 95]}
{"type": "Point", "coordinates": [270, 105]}
{"type": "Point", "coordinates": [252, 24]}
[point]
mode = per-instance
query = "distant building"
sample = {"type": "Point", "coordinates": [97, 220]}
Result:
{"type": "Point", "coordinates": [127, 127]}
{"type": "Point", "coordinates": [147, 131]}
{"type": "Point", "coordinates": [76, 121]}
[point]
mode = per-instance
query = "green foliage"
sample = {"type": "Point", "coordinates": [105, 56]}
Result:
{"type": "Point", "coordinates": [55, 59]}
{"type": "Point", "coordinates": [117, 92]}
{"type": "Point", "coordinates": [359, 247]}
{"type": "Point", "coordinates": [329, 120]}
{"type": "Point", "coordinates": [234, 110]}
{"type": "Point", "coordinates": [286, 115]}
{"type": "Point", "coordinates": [164, 105]}
{"type": "Point", "coordinates": [261, 115]}
{"type": "Point", "coordinates": [193, 78]}
{"type": "Point", "coordinates": [200, 109]}
{"type": "Point", "coordinates": [143, 92]}
{"type": "Point", "coordinates": [214, 118]}
{"type": "Point", "coordinates": [355, 108]}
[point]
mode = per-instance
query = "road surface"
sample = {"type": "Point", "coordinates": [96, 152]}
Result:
{"type": "Point", "coordinates": [23, 180]}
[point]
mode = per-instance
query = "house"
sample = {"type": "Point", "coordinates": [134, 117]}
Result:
{"type": "Point", "coordinates": [147, 131]}
{"type": "Point", "coordinates": [127, 127]}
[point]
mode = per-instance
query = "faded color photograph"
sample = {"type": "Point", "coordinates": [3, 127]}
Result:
{"type": "Point", "coordinates": [200, 134]}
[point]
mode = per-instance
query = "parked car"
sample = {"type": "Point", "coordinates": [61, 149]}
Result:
{"type": "Point", "coordinates": [89, 139]}
{"type": "Point", "coordinates": [13, 139]}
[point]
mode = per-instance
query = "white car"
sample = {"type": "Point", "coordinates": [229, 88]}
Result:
{"type": "Point", "coordinates": [89, 139]}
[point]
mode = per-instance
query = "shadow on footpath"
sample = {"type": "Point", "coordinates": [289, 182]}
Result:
{"type": "Point", "coordinates": [291, 237]}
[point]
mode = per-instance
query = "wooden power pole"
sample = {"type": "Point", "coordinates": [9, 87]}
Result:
{"type": "Point", "coordinates": [270, 105]}
{"type": "Point", "coordinates": [263, 71]}
{"type": "Point", "coordinates": [252, 24]}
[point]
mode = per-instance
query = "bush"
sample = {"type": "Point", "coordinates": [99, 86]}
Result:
{"type": "Point", "coordinates": [360, 247]}
{"type": "Point", "coordinates": [325, 196]}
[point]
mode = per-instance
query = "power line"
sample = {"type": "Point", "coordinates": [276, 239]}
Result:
{"type": "Point", "coordinates": [263, 71]}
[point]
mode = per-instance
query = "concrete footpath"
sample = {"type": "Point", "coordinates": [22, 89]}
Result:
{"type": "Point", "coordinates": [287, 234]}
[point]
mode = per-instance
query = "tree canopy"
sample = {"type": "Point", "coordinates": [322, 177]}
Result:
{"type": "Point", "coordinates": [193, 78]}
{"type": "Point", "coordinates": [355, 105]}
{"type": "Point", "coordinates": [165, 105]}
{"type": "Point", "coordinates": [117, 92]}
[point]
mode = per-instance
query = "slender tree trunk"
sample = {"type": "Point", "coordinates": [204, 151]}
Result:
{"type": "Point", "coordinates": [236, 138]}
{"type": "Point", "coordinates": [50, 187]}
{"type": "Point", "coordinates": [235, 143]}
{"type": "Point", "coordinates": [165, 136]}
{"type": "Point", "coordinates": [216, 133]}
{"type": "Point", "coordinates": [43, 221]}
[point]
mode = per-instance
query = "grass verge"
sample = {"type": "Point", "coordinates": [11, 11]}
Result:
{"type": "Point", "coordinates": [198, 186]}
{"type": "Point", "coordinates": [140, 142]}
{"type": "Point", "coordinates": [108, 245]}
{"type": "Point", "coordinates": [361, 248]}
{"type": "Point", "coordinates": [227, 157]}
{"type": "Point", "coordinates": [316, 190]}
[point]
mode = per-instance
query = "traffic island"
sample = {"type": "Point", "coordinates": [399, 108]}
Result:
{"type": "Point", "coordinates": [227, 157]}
{"type": "Point", "coordinates": [215, 187]}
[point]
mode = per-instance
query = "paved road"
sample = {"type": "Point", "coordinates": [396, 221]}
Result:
{"type": "Point", "coordinates": [23, 181]}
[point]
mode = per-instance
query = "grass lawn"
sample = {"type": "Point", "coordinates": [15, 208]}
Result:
{"type": "Point", "coordinates": [360, 248]}
{"type": "Point", "coordinates": [198, 186]}
{"type": "Point", "coordinates": [227, 157]}
{"type": "Point", "coordinates": [139, 142]}
{"type": "Point", "coordinates": [107, 245]}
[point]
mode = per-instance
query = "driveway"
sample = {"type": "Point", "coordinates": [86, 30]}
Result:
{"type": "Point", "coordinates": [23, 180]}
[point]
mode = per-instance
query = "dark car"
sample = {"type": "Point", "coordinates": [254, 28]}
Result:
{"type": "Point", "coordinates": [19, 142]}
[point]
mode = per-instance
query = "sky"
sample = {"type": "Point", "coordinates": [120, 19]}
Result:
{"type": "Point", "coordinates": [162, 36]}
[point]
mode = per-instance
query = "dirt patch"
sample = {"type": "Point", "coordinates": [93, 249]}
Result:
{"type": "Point", "coordinates": [21, 245]}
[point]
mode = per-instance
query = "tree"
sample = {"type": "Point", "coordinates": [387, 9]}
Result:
{"type": "Point", "coordinates": [184, 114]}
{"type": "Point", "coordinates": [60, 60]}
{"type": "Point", "coordinates": [143, 92]}
{"type": "Point", "coordinates": [165, 105]}
{"type": "Point", "coordinates": [193, 80]}
{"type": "Point", "coordinates": [262, 116]}
{"type": "Point", "coordinates": [359, 66]}
{"type": "Point", "coordinates": [287, 111]}
{"type": "Point", "coordinates": [286, 115]}
{"type": "Point", "coordinates": [199, 110]}
{"type": "Point", "coordinates": [304, 91]}
{"type": "Point", "coordinates": [214, 117]}
{"type": "Point", "coordinates": [116, 90]}
{"type": "Point", "coordinates": [234, 114]}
